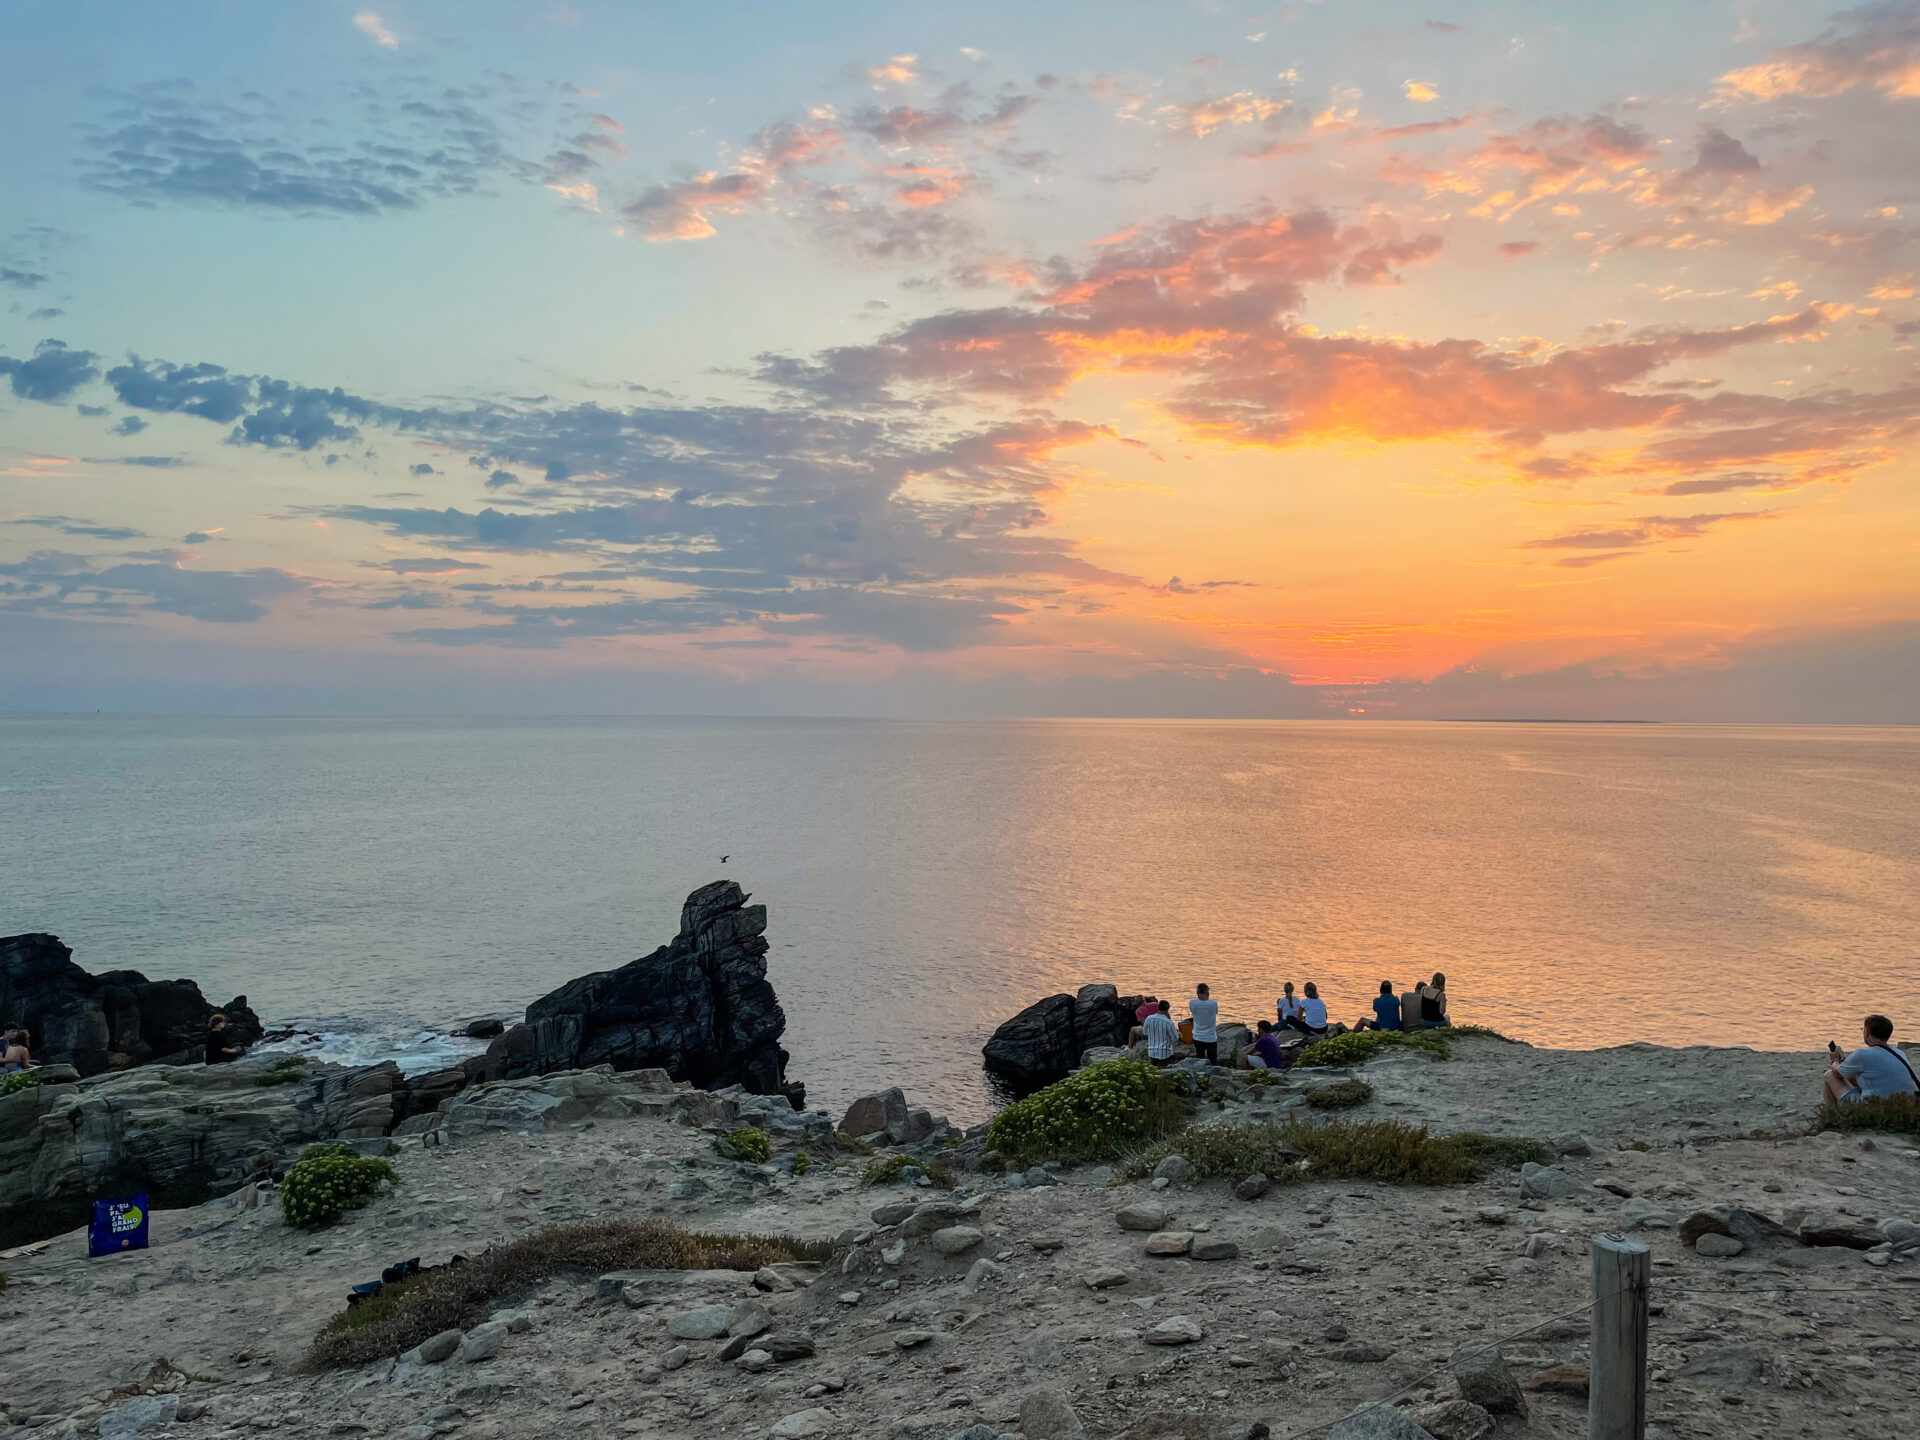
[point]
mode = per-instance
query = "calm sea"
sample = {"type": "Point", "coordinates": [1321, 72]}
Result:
{"type": "Point", "coordinates": [1580, 885]}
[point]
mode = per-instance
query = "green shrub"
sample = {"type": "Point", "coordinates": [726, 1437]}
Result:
{"type": "Point", "coordinates": [287, 1070]}
{"type": "Point", "coordinates": [1097, 1113]}
{"type": "Point", "coordinates": [1359, 1046]}
{"type": "Point", "coordinates": [460, 1296]}
{"type": "Point", "coordinates": [802, 1162]}
{"type": "Point", "coordinates": [747, 1144]}
{"type": "Point", "coordinates": [1228, 1152]}
{"type": "Point", "coordinates": [20, 1080]}
{"type": "Point", "coordinates": [887, 1171]}
{"type": "Point", "coordinates": [1339, 1094]}
{"type": "Point", "coordinates": [1899, 1113]}
{"type": "Point", "coordinates": [1388, 1150]}
{"type": "Point", "coordinates": [327, 1181]}
{"type": "Point", "coordinates": [851, 1144]}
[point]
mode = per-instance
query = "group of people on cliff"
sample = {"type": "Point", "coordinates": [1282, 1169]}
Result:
{"type": "Point", "coordinates": [16, 1046]}
{"type": "Point", "coordinates": [1306, 1014]}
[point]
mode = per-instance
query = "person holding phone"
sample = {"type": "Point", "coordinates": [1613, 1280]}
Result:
{"type": "Point", "coordinates": [1873, 1072]}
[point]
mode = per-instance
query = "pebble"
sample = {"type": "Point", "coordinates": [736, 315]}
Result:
{"type": "Point", "coordinates": [1175, 1330]}
{"type": "Point", "coordinates": [1253, 1187]}
{"type": "Point", "coordinates": [1106, 1278]}
{"type": "Point", "coordinates": [675, 1358]}
{"type": "Point", "coordinates": [849, 1297]}
{"type": "Point", "coordinates": [753, 1362]}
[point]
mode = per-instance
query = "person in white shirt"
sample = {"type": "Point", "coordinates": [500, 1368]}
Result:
{"type": "Point", "coordinates": [1162, 1035]}
{"type": "Point", "coordinates": [1313, 1013]}
{"type": "Point", "coordinates": [1872, 1072]}
{"type": "Point", "coordinates": [1206, 1021]}
{"type": "Point", "coordinates": [1289, 1007]}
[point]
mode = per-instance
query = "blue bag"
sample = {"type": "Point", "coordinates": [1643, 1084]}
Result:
{"type": "Point", "coordinates": [118, 1225]}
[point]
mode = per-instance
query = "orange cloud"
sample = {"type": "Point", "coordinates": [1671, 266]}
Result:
{"type": "Point", "coordinates": [1875, 47]}
{"type": "Point", "coordinates": [684, 209]}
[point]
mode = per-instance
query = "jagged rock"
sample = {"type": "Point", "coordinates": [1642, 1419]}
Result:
{"type": "Point", "coordinates": [1755, 1230]}
{"type": "Point", "coordinates": [484, 1029]}
{"type": "Point", "coordinates": [86, 1020]}
{"type": "Point", "coordinates": [1823, 1227]}
{"type": "Point", "coordinates": [749, 1318]}
{"type": "Point", "coordinates": [1484, 1379]}
{"type": "Point", "coordinates": [699, 1008]}
{"type": "Point", "coordinates": [1376, 1422]}
{"type": "Point", "coordinates": [1045, 1040]}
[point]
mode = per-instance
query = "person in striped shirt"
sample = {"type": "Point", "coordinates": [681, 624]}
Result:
{"type": "Point", "coordinates": [1162, 1035]}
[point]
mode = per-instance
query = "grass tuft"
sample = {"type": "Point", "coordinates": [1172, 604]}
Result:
{"type": "Point", "coordinates": [461, 1296]}
{"type": "Point", "coordinates": [1097, 1113]}
{"type": "Point", "coordinates": [887, 1171]}
{"type": "Point", "coordinates": [20, 1080]}
{"type": "Point", "coordinates": [746, 1144]}
{"type": "Point", "coordinates": [1339, 1094]}
{"type": "Point", "coordinates": [1898, 1113]}
{"type": "Point", "coordinates": [327, 1181]}
{"type": "Point", "coordinates": [1387, 1150]}
{"type": "Point", "coordinates": [287, 1070]}
{"type": "Point", "coordinates": [1359, 1046]}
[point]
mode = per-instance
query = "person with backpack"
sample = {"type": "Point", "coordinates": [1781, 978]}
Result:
{"type": "Point", "coordinates": [1873, 1072]}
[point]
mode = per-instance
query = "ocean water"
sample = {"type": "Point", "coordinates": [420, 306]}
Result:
{"type": "Point", "coordinates": [378, 881]}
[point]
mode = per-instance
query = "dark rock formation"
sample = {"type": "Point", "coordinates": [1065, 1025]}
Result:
{"type": "Point", "coordinates": [1045, 1040]}
{"type": "Point", "coordinates": [100, 1022]}
{"type": "Point", "coordinates": [699, 1008]}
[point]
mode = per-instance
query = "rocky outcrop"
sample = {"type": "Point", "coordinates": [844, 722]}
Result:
{"type": "Point", "coordinates": [110, 1021]}
{"type": "Point", "coordinates": [1045, 1040]}
{"type": "Point", "coordinates": [699, 1008]}
{"type": "Point", "coordinates": [183, 1129]}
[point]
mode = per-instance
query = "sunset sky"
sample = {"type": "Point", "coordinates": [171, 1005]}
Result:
{"type": "Point", "coordinates": [1159, 359]}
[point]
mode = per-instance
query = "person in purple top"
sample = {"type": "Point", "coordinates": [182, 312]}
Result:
{"type": "Point", "coordinates": [1265, 1053]}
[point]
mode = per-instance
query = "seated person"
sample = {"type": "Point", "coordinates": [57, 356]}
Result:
{"type": "Point", "coordinates": [1287, 1006]}
{"type": "Point", "coordinates": [1433, 1002]}
{"type": "Point", "coordinates": [1312, 1019]}
{"type": "Point", "coordinates": [1266, 1053]}
{"type": "Point", "coordinates": [14, 1052]}
{"type": "Point", "coordinates": [1140, 1012]}
{"type": "Point", "coordinates": [1386, 1011]}
{"type": "Point", "coordinates": [1872, 1072]}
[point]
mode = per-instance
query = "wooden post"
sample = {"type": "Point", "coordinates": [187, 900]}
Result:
{"type": "Point", "coordinates": [1617, 1380]}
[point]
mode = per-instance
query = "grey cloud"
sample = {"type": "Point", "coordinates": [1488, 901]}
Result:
{"type": "Point", "coordinates": [21, 279]}
{"type": "Point", "coordinates": [67, 525]}
{"type": "Point", "coordinates": [424, 565]}
{"type": "Point", "coordinates": [46, 312]}
{"type": "Point", "coordinates": [409, 600]}
{"type": "Point", "coordinates": [501, 478]}
{"type": "Point", "coordinates": [203, 390]}
{"type": "Point", "coordinates": [129, 425]}
{"type": "Point", "coordinates": [57, 582]}
{"type": "Point", "coordinates": [53, 373]}
{"type": "Point", "coordinates": [422, 469]}
{"type": "Point", "coordinates": [197, 537]}
{"type": "Point", "coordinates": [270, 412]}
{"type": "Point", "coordinates": [146, 462]}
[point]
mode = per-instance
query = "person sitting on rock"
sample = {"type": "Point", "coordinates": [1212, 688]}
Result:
{"type": "Point", "coordinates": [1206, 1024]}
{"type": "Point", "coordinates": [1265, 1053]}
{"type": "Point", "coordinates": [15, 1051]}
{"type": "Point", "coordinates": [1288, 1007]}
{"type": "Point", "coordinates": [1386, 1011]}
{"type": "Point", "coordinates": [1140, 1013]}
{"type": "Point", "coordinates": [1433, 1002]}
{"type": "Point", "coordinates": [1312, 1019]}
{"type": "Point", "coordinates": [220, 1048]}
{"type": "Point", "coordinates": [1873, 1072]}
{"type": "Point", "coordinates": [1162, 1034]}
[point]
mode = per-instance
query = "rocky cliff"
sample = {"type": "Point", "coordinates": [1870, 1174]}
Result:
{"type": "Point", "coordinates": [101, 1022]}
{"type": "Point", "coordinates": [1045, 1040]}
{"type": "Point", "coordinates": [699, 1008]}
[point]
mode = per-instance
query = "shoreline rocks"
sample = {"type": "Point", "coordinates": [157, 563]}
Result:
{"type": "Point", "coordinates": [111, 1021]}
{"type": "Point", "coordinates": [1046, 1040]}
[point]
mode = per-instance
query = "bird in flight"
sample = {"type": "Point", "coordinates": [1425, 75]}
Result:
{"type": "Point", "coordinates": [725, 858]}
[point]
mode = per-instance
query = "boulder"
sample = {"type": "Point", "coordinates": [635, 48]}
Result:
{"type": "Point", "coordinates": [1045, 1040]}
{"type": "Point", "coordinates": [1211, 1247]}
{"type": "Point", "coordinates": [1717, 1246]}
{"type": "Point", "coordinates": [1901, 1234]}
{"type": "Point", "coordinates": [955, 1239]}
{"type": "Point", "coordinates": [1049, 1415]}
{"type": "Point", "coordinates": [1174, 1169]}
{"type": "Point", "coordinates": [699, 1008]}
{"type": "Point", "coordinates": [1170, 1242]}
{"type": "Point", "coordinates": [706, 1322]}
{"type": "Point", "coordinates": [1750, 1227]}
{"type": "Point", "coordinates": [1484, 1379]}
{"type": "Point", "coordinates": [1544, 1182]}
{"type": "Point", "coordinates": [870, 1113]}
{"type": "Point", "coordinates": [1253, 1187]}
{"type": "Point", "coordinates": [86, 1020]}
{"type": "Point", "coordinates": [484, 1029]}
{"type": "Point", "coordinates": [1146, 1215]}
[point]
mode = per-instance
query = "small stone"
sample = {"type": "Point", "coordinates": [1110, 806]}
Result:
{"type": "Point", "coordinates": [1483, 1378]}
{"type": "Point", "coordinates": [483, 1342]}
{"type": "Point", "coordinates": [955, 1239]}
{"type": "Point", "coordinates": [848, 1297]}
{"type": "Point", "coordinates": [1174, 1169]}
{"type": "Point", "coordinates": [1038, 1178]}
{"type": "Point", "coordinates": [1363, 1354]}
{"type": "Point", "coordinates": [1719, 1247]}
{"type": "Point", "coordinates": [734, 1348]}
{"type": "Point", "coordinates": [1214, 1249]}
{"type": "Point", "coordinates": [803, 1423]}
{"type": "Point", "coordinates": [1544, 1182]}
{"type": "Point", "coordinates": [1046, 1244]}
{"type": "Point", "coordinates": [975, 1432]}
{"type": "Point", "coordinates": [1175, 1330]}
{"type": "Point", "coordinates": [1146, 1215]}
{"type": "Point", "coordinates": [1106, 1278]}
{"type": "Point", "coordinates": [1561, 1380]}
{"type": "Point", "coordinates": [675, 1358]}
{"type": "Point", "coordinates": [1493, 1215]}
{"type": "Point", "coordinates": [911, 1339]}
{"type": "Point", "coordinates": [1160, 1182]}
{"type": "Point", "coordinates": [650, 1374]}
{"type": "Point", "coordinates": [753, 1362]}
{"type": "Point", "coordinates": [708, 1322]}
{"type": "Point", "coordinates": [1453, 1420]}
{"type": "Point", "coordinates": [1170, 1242]}
{"type": "Point", "coordinates": [1048, 1415]}
{"type": "Point", "coordinates": [1538, 1245]}
{"type": "Point", "coordinates": [1253, 1187]}
{"type": "Point", "coordinates": [894, 1212]}
{"type": "Point", "coordinates": [519, 1322]}
{"type": "Point", "coordinates": [787, 1347]}
{"type": "Point", "coordinates": [1334, 1334]}
{"type": "Point", "coordinates": [894, 1253]}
